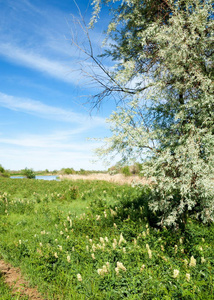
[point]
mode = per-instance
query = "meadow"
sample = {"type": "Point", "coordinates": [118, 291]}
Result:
{"type": "Point", "coordinates": [94, 240]}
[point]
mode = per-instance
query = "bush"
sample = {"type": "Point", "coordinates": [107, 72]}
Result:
{"type": "Point", "coordinates": [125, 171]}
{"type": "Point", "coordinates": [29, 173]}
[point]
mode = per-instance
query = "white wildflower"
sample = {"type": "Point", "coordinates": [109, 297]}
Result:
{"type": "Point", "coordinates": [142, 268]}
{"type": "Point", "coordinates": [175, 273]}
{"type": "Point", "coordinates": [203, 260]}
{"type": "Point", "coordinates": [121, 266]}
{"type": "Point", "coordinates": [188, 277]}
{"type": "Point", "coordinates": [97, 217]}
{"type": "Point", "coordinates": [79, 277]}
{"type": "Point", "coordinates": [122, 240]}
{"type": "Point", "coordinates": [192, 262]}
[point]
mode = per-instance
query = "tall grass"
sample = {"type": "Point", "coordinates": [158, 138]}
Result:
{"type": "Point", "coordinates": [92, 240]}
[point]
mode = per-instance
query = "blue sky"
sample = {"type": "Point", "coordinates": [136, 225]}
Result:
{"type": "Point", "coordinates": [43, 122]}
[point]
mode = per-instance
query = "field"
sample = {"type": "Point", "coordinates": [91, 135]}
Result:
{"type": "Point", "coordinates": [92, 240]}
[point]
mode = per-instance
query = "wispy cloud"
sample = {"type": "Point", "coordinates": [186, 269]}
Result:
{"type": "Point", "coordinates": [30, 106]}
{"type": "Point", "coordinates": [57, 69]}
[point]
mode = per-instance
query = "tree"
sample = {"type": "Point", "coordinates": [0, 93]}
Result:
{"type": "Point", "coordinates": [163, 53]}
{"type": "Point", "coordinates": [3, 172]}
{"type": "Point", "coordinates": [29, 173]}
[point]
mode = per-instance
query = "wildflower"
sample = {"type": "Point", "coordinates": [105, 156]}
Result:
{"type": "Point", "coordinates": [79, 277]}
{"type": "Point", "coordinates": [142, 267]}
{"type": "Point", "coordinates": [135, 242]}
{"type": "Point", "coordinates": [60, 247]}
{"type": "Point", "coordinates": [192, 262]}
{"type": "Point", "coordinates": [121, 266]}
{"type": "Point", "coordinates": [100, 272]}
{"type": "Point", "coordinates": [40, 244]}
{"type": "Point", "coordinates": [67, 237]}
{"type": "Point", "coordinates": [149, 251]}
{"type": "Point", "coordinates": [203, 260]}
{"type": "Point", "coordinates": [117, 270]}
{"type": "Point", "coordinates": [94, 248]}
{"type": "Point", "coordinates": [108, 265]}
{"type": "Point", "coordinates": [55, 254]}
{"type": "Point", "coordinates": [162, 248]}
{"type": "Point", "coordinates": [113, 213]}
{"type": "Point", "coordinates": [69, 258]}
{"type": "Point", "coordinates": [176, 249]}
{"type": "Point", "coordinates": [20, 242]}
{"type": "Point", "coordinates": [90, 240]}
{"type": "Point", "coordinates": [105, 214]}
{"type": "Point", "coordinates": [144, 234]}
{"type": "Point", "coordinates": [102, 240]}
{"type": "Point", "coordinates": [106, 239]}
{"type": "Point", "coordinates": [73, 249]}
{"type": "Point", "coordinates": [87, 248]}
{"type": "Point", "coordinates": [92, 255]}
{"type": "Point", "coordinates": [181, 240]}
{"type": "Point", "coordinates": [115, 225]}
{"type": "Point", "coordinates": [97, 217]}
{"type": "Point", "coordinates": [200, 248]}
{"type": "Point", "coordinates": [175, 273]}
{"type": "Point", "coordinates": [188, 277]}
{"type": "Point", "coordinates": [61, 232]}
{"type": "Point", "coordinates": [124, 250]}
{"type": "Point", "coordinates": [122, 240]}
{"type": "Point", "coordinates": [185, 262]}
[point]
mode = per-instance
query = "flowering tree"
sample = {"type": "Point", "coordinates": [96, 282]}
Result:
{"type": "Point", "coordinates": [164, 69]}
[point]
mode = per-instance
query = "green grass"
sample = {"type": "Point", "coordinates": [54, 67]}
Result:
{"type": "Point", "coordinates": [57, 230]}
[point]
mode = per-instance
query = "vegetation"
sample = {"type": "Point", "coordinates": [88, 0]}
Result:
{"type": "Point", "coordinates": [29, 173]}
{"type": "Point", "coordinates": [163, 80]}
{"type": "Point", "coordinates": [3, 172]}
{"type": "Point", "coordinates": [92, 240]}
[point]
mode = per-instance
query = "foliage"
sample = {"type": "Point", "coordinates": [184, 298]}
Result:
{"type": "Point", "coordinates": [164, 54]}
{"type": "Point", "coordinates": [3, 173]}
{"type": "Point", "coordinates": [29, 173]}
{"type": "Point", "coordinates": [125, 171]}
{"type": "Point", "coordinates": [100, 245]}
{"type": "Point", "coordinates": [68, 171]}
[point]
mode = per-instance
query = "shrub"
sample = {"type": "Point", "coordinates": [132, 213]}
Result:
{"type": "Point", "coordinates": [29, 173]}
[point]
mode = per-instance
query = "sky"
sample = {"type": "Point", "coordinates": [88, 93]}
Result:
{"type": "Point", "coordinates": [44, 121]}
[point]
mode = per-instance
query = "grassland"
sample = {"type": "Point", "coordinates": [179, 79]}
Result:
{"type": "Point", "coordinates": [92, 240]}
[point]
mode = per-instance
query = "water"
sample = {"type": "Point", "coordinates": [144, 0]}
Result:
{"type": "Point", "coordinates": [43, 177]}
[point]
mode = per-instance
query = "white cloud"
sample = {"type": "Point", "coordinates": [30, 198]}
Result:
{"type": "Point", "coordinates": [57, 69]}
{"type": "Point", "coordinates": [42, 110]}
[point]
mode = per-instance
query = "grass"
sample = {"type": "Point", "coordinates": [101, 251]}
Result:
{"type": "Point", "coordinates": [92, 240]}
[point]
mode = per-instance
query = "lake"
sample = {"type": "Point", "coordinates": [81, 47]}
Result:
{"type": "Point", "coordinates": [41, 177]}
